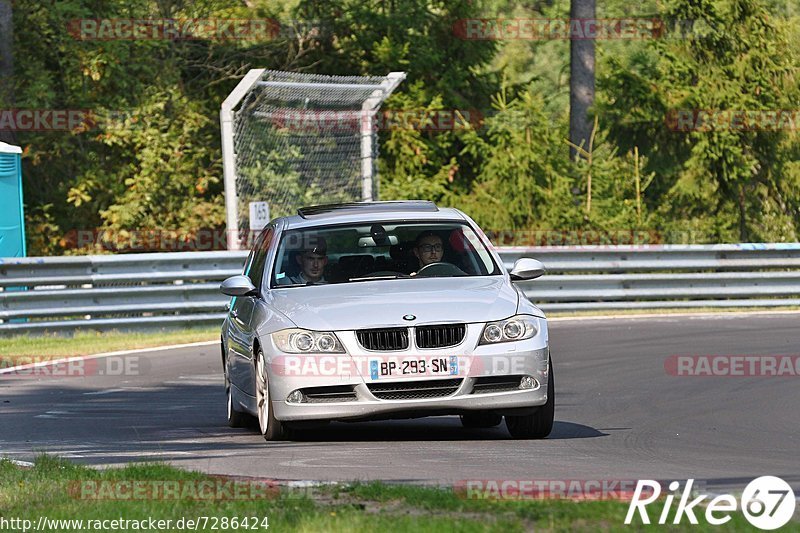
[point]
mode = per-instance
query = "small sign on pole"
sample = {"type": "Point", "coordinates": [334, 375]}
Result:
{"type": "Point", "coordinates": [259, 216]}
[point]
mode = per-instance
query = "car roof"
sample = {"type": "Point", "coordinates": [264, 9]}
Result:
{"type": "Point", "coordinates": [329, 210]}
{"type": "Point", "coordinates": [371, 212]}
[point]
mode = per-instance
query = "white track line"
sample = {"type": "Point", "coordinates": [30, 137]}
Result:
{"type": "Point", "coordinates": [68, 360]}
{"type": "Point", "coordinates": [672, 315]}
{"type": "Point", "coordinates": [21, 464]}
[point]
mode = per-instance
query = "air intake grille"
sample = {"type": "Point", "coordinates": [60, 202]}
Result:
{"type": "Point", "coordinates": [415, 390]}
{"type": "Point", "coordinates": [440, 336]}
{"type": "Point", "coordinates": [491, 384]}
{"type": "Point", "coordinates": [336, 393]}
{"type": "Point", "coordinates": [383, 339]}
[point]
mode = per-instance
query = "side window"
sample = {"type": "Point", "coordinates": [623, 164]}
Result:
{"type": "Point", "coordinates": [259, 260]}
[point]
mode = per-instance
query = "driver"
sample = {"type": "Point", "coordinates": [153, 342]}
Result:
{"type": "Point", "coordinates": [428, 248]}
{"type": "Point", "coordinates": [312, 265]}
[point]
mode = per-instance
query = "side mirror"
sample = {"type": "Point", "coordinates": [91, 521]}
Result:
{"type": "Point", "coordinates": [526, 269]}
{"type": "Point", "coordinates": [238, 286]}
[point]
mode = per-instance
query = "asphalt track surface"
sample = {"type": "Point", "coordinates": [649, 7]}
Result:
{"type": "Point", "coordinates": [619, 416]}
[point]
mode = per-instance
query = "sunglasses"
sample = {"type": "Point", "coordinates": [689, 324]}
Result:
{"type": "Point", "coordinates": [428, 248]}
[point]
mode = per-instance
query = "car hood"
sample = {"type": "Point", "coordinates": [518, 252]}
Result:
{"type": "Point", "coordinates": [370, 304]}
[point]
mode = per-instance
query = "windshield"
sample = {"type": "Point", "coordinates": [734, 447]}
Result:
{"type": "Point", "coordinates": [379, 251]}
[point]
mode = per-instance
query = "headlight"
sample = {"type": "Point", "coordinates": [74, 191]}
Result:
{"type": "Point", "coordinates": [493, 333]}
{"type": "Point", "coordinates": [304, 341]}
{"type": "Point", "coordinates": [516, 328]}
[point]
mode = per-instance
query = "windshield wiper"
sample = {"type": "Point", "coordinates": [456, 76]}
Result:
{"type": "Point", "coordinates": [371, 278]}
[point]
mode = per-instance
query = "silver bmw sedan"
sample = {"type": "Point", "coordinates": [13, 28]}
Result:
{"type": "Point", "coordinates": [383, 310]}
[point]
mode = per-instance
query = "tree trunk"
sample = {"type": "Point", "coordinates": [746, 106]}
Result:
{"type": "Point", "coordinates": [581, 79]}
{"type": "Point", "coordinates": [742, 215]}
{"type": "Point", "coordinates": [6, 63]}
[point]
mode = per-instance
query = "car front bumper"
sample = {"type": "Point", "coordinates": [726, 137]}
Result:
{"type": "Point", "coordinates": [366, 409]}
{"type": "Point", "coordinates": [352, 372]}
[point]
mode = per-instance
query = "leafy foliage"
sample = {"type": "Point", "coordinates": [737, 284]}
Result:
{"type": "Point", "coordinates": [150, 156]}
{"type": "Point", "coordinates": [727, 183]}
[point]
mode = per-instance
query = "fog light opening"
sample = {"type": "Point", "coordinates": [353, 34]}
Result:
{"type": "Point", "coordinates": [295, 397]}
{"type": "Point", "coordinates": [528, 383]}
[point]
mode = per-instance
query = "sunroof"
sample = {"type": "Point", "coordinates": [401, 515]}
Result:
{"type": "Point", "coordinates": [417, 206]}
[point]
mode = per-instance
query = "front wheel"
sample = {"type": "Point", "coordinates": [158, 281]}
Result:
{"type": "Point", "coordinates": [271, 429]}
{"type": "Point", "coordinates": [539, 424]}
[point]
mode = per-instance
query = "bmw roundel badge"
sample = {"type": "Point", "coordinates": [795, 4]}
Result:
{"type": "Point", "coordinates": [409, 317]}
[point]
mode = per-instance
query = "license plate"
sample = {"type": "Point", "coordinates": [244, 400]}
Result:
{"type": "Point", "coordinates": [413, 366]}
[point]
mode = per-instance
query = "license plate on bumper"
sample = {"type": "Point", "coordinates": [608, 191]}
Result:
{"type": "Point", "coordinates": [413, 366]}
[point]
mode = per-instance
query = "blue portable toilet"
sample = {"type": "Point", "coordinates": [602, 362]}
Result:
{"type": "Point", "coordinates": [12, 218]}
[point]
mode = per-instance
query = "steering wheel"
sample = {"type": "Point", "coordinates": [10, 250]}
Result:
{"type": "Point", "coordinates": [440, 270]}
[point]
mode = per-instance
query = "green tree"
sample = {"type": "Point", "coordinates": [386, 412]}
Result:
{"type": "Point", "coordinates": [156, 163]}
{"type": "Point", "coordinates": [728, 183]}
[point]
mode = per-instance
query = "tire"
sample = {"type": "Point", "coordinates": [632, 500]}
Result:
{"type": "Point", "coordinates": [236, 419]}
{"type": "Point", "coordinates": [481, 419]}
{"type": "Point", "coordinates": [270, 428]}
{"type": "Point", "coordinates": [539, 424]}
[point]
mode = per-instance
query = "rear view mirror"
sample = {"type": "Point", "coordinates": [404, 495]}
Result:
{"type": "Point", "coordinates": [238, 286]}
{"type": "Point", "coordinates": [369, 242]}
{"type": "Point", "coordinates": [526, 269]}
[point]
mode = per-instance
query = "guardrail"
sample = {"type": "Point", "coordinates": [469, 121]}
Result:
{"type": "Point", "coordinates": [180, 289]}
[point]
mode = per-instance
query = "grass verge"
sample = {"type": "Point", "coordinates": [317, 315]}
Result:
{"type": "Point", "coordinates": [92, 342]}
{"type": "Point", "coordinates": [59, 490]}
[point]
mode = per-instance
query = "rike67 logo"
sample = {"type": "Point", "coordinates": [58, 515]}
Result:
{"type": "Point", "coordinates": [768, 502]}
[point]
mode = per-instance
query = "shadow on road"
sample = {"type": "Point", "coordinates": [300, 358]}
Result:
{"type": "Point", "coordinates": [94, 425]}
{"type": "Point", "coordinates": [440, 428]}
{"type": "Point", "coordinates": [174, 422]}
